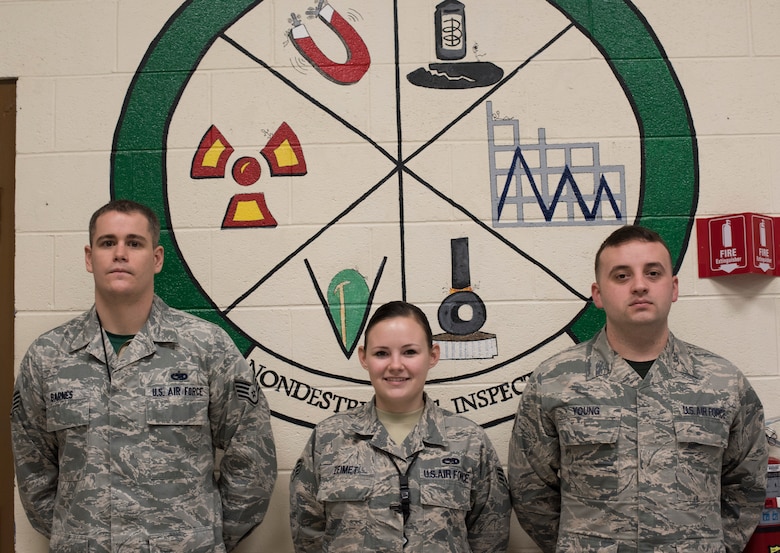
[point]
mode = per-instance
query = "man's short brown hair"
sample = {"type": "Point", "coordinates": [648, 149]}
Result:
{"type": "Point", "coordinates": [127, 206]}
{"type": "Point", "coordinates": [629, 233]}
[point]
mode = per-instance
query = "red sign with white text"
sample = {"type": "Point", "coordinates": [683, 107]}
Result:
{"type": "Point", "coordinates": [763, 251]}
{"type": "Point", "coordinates": [737, 244]}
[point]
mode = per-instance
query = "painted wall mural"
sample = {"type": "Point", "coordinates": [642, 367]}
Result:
{"type": "Point", "coordinates": [311, 162]}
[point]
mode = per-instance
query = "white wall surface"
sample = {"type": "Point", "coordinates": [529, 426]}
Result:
{"type": "Point", "coordinates": [75, 61]}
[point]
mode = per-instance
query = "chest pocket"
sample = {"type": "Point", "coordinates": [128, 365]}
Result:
{"type": "Point", "coordinates": [69, 419]}
{"type": "Point", "coordinates": [177, 411]}
{"type": "Point", "coordinates": [178, 427]}
{"type": "Point", "coordinates": [347, 498]}
{"type": "Point", "coordinates": [176, 397]}
{"type": "Point", "coordinates": [700, 446]}
{"type": "Point", "coordinates": [445, 498]}
{"type": "Point", "coordinates": [445, 494]}
{"type": "Point", "coordinates": [337, 485]}
{"type": "Point", "coordinates": [589, 464]}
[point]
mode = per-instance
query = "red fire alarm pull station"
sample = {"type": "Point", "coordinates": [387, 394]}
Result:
{"type": "Point", "coordinates": [738, 244]}
{"type": "Point", "coordinates": [766, 538]}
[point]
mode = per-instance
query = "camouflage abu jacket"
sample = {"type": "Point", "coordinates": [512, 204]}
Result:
{"type": "Point", "coordinates": [126, 463]}
{"type": "Point", "coordinates": [601, 460]}
{"type": "Point", "coordinates": [345, 490]}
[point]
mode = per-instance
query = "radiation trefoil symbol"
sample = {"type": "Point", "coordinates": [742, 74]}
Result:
{"type": "Point", "coordinates": [284, 156]}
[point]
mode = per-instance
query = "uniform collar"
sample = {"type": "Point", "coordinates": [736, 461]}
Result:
{"type": "Point", "coordinates": [430, 428]}
{"type": "Point", "coordinates": [85, 332]}
{"type": "Point", "coordinates": [675, 357]}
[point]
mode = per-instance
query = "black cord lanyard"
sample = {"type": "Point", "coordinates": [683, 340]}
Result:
{"type": "Point", "coordinates": [403, 480]}
{"type": "Point", "coordinates": [105, 351]}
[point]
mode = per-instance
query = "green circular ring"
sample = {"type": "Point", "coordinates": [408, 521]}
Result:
{"type": "Point", "coordinates": [669, 159]}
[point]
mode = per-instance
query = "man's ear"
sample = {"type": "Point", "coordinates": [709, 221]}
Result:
{"type": "Point", "coordinates": [595, 292]}
{"type": "Point", "coordinates": [88, 258]}
{"type": "Point", "coordinates": [159, 257]}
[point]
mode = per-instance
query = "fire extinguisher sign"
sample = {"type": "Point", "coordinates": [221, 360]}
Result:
{"type": "Point", "coordinates": [734, 244]}
{"type": "Point", "coordinates": [763, 255]}
{"type": "Point", "coordinates": [728, 243]}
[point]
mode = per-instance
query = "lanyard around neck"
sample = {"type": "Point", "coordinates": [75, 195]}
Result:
{"type": "Point", "coordinates": [103, 339]}
{"type": "Point", "coordinates": [403, 480]}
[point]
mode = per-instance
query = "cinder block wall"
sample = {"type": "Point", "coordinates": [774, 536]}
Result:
{"type": "Point", "coordinates": [680, 115]}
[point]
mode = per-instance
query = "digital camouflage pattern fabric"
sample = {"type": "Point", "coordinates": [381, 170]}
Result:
{"type": "Point", "coordinates": [345, 489]}
{"type": "Point", "coordinates": [601, 460]}
{"type": "Point", "coordinates": [123, 459]}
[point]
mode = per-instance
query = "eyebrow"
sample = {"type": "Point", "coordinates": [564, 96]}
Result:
{"type": "Point", "coordinates": [409, 345]}
{"type": "Point", "coordinates": [651, 265]}
{"type": "Point", "coordinates": [138, 237]}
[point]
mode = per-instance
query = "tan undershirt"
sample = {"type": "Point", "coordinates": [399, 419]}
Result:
{"type": "Point", "coordinates": [399, 425]}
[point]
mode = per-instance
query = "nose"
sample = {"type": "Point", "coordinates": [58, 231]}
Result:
{"type": "Point", "coordinates": [120, 252]}
{"type": "Point", "coordinates": [639, 284]}
{"type": "Point", "coordinates": [395, 361]}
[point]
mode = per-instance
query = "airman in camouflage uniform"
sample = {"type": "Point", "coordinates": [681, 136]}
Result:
{"type": "Point", "coordinates": [115, 452]}
{"type": "Point", "coordinates": [398, 474]}
{"type": "Point", "coordinates": [604, 459]}
{"type": "Point", "coordinates": [344, 491]}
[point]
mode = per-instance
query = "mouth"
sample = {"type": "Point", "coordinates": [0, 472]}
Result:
{"type": "Point", "coordinates": [395, 379]}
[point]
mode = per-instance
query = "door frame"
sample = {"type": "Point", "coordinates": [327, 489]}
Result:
{"type": "Point", "coordinates": [7, 250]}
